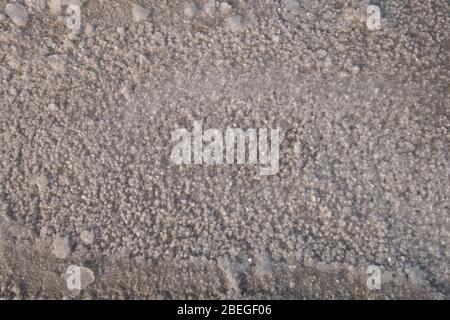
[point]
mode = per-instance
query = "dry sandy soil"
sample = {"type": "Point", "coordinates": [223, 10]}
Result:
{"type": "Point", "coordinates": [85, 140]}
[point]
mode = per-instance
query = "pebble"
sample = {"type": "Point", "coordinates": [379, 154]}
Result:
{"type": "Point", "coordinates": [322, 53]}
{"type": "Point", "coordinates": [54, 6]}
{"type": "Point", "coordinates": [210, 7]}
{"type": "Point", "coordinates": [42, 183]}
{"type": "Point", "coordinates": [235, 23]}
{"type": "Point", "coordinates": [140, 13]}
{"type": "Point", "coordinates": [86, 277]}
{"type": "Point", "coordinates": [17, 13]}
{"type": "Point", "coordinates": [225, 8]}
{"type": "Point", "coordinates": [61, 247]}
{"type": "Point", "coordinates": [89, 30]}
{"type": "Point", "coordinates": [190, 10]}
{"type": "Point", "coordinates": [292, 5]}
{"type": "Point", "coordinates": [87, 237]}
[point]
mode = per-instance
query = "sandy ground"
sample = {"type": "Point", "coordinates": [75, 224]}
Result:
{"type": "Point", "coordinates": [85, 140]}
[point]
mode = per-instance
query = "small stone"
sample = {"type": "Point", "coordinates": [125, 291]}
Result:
{"type": "Point", "coordinates": [32, 5]}
{"type": "Point", "coordinates": [54, 6]}
{"type": "Point", "coordinates": [276, 38]}
{"type": "Point", "coordinates": [2, 17]}
{"type": "Point", "coordinates": [78, 277]}
{"type": "Point", "coordinates": [72, 3]}
{"type": "Point", "coordinates": [190, 10]}
{"type": "Point", "coordinates": [89, 30]}
{"type": "Point", "coordinates": [126, 92]}
{"type": "Point", "coordinates": [210, 7]}
{"type": "Point", "coordinates": [17, 13]}
{"type": "Point", "coordinates": [373, 17]}
{"type": "Point", "coordinates": [322, 53]}
{"type": "Point", "coordinates": [416, 275]}
{"type": "Point", "coordinates": [57, 63]}
{"type": "Point", "coordinates": [235, 23]}
{"type": "Point", "coordinates": [42, 183]}
{"type": "Point", "coordinates": [292, 5]}
{"type": "Point", "coordinates": [87, 237]}
{"type": "Point", "coordinates": [52, 107]}
{"type": "Point", "coordinates": [328, 62]}
{"type": "Point", "coordinates": [140, 13]}
{"type": "Point", "coordinates": [355, 70]}
{"type": "Point", "coordinates": [62, 247]}
{"type": "Point", "coordinates": [46, 231]}
{"type": "Point", "coordinates": [225, 8]}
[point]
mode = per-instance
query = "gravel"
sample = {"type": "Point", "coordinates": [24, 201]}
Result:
{"type": "Point", "coordinates": [85, 141]}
